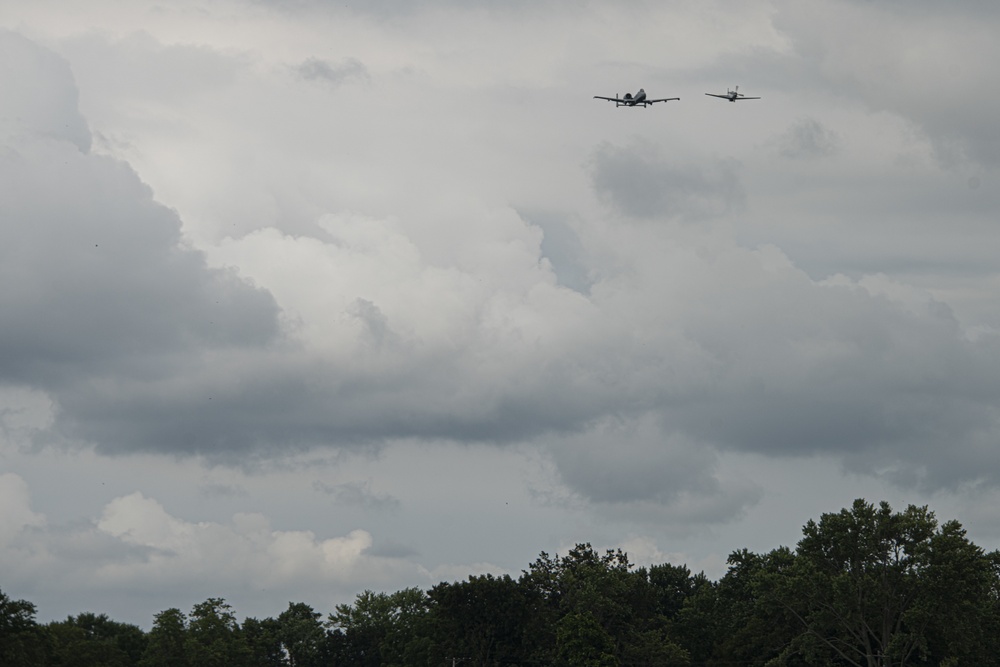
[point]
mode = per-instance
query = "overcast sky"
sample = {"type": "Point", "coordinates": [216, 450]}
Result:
{"type": "Point", "coordinates": [305, 298]}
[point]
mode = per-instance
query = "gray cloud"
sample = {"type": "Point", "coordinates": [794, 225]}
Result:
{"type": "Point", "coordinates": [143, 347]}
{"type": "Point", "coordinates": [142, 67]}
{"type": "Point", "coordinates": [845, 372]}
{"type": "Point", "coordinates": [562, 247]}
{"type": "Point", "coordinates": [808, 138]}
{"type": "Point", "coordinates": [639, 182]}
{"type": "Point", "coordinates": [441, 274]}
{"type": "Point", "coordinates": [40, 98]}
{"type": "Point", "coordinates": [935, 84]}
{"type": "Point", "coordinates": [634, 462]}
{"type": "Point", "coordinates": [100, 295]}
{"type": "Point", "coordinates": [358, 494]}
{"type": "Point", "coordinates": [315, 69]}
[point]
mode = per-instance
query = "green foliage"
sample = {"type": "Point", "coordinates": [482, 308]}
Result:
{"type": "Point", "coordinates": [869, 586]}
{"type": "Point", "coordinates": [865, 586]}
{"type": "Point", "coordinates": [581, 641]}
{"type": "Point", "coordinates": [92, 639]}
{"type": "Point", "coordinates": [21, 642]}
{"type": "Point", "coordinates": [482, 620]}
{"type": "Point", "coordinates": [214, 638]}
{"type": "Point", "coordinates": [302, 636]}
{"type": "Point", "coordinates": [263, 642]}
{"type": "Point", "coordinates": [591, 608]}
{"type": "Point", "coordinates": [380, 628]}
{"type": "Point", "coordinates": [167, 640]}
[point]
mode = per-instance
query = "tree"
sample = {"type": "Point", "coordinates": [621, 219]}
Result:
{"type": "Point", "coordinates": [482, 620]}
{"type": "Point", "coordinates": [20, 637]}
{"type": "Point", "coordinates": [873, 588]}
{"type": "Point", "coordinates": [214, 638]}
{"type": "Point", "coordinates": [379, 628]}
{"type": "Point", "coordinates": [263, 642]}
{"type": "Point", "coordinates": [166, 641]}
{"type": "Point", "coordinates": [736, 621]}
{"type": "Point", "coordinates": [587, 603]}
{"type": "Point", "coordinates": [301, 635]}
{"type": "Point", "coordinates": [94, 639]}
{"type": "Point", "coordinates": [582, 642]}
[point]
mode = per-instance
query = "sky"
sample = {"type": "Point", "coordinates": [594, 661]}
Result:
{"type": "Point", "coordinates": [301, 299]}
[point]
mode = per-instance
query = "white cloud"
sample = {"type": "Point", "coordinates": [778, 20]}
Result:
{"type": "Point", "coordinates": [420, 263]}
{"type": "Point", "coordinates": [137, 545]}
{"type": "Point", "coordinates": [17, 514]}
{"type": "Point", "coordinates": [247, 549]}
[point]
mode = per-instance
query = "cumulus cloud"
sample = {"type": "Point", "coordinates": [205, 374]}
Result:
{"type": "Point", "coordinates": [17, 514]}
{"type": "Point", "coordinates": [41, 97]}
{"type": "Point", "coordinates": [136, 545]}
{"type": "Point", "coordinates": [642, 302]}
{"type": "Point", "coordinates": [639, 182]}
{"type": "Point", "coordinates": [920, 63]}
{"type": "Point", "coordinates": [808, 138]}
{"type": "Point", "coordinates": [358, 494]}
{"type": "Point", "coordinates": [246, 549]}
{"type": "Point", "coordinates": [142, 346]}
{"type": "Point", "coordinates": [618, 462]}
{"type": "Point", "coordinates": [640, 472]}
{"type": "Point", "coordinates": [464, 322]}
{"type": "Point", "coordinates": [143, 68]}
{"type": "Point", "coordinates": [315, 69]}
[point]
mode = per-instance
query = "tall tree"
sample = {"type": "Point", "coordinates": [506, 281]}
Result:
{"type": "Point", "coordinates": [94, 639]}
{"type": "Point", "coordinates": [20, 637]}
{"type": "Point", "coordinates": [871, 587]}
{"type": "Point", "coordinates": [482, 620]}
{"type": "Point", "coordinates": [733, 621]}
{"type": "Point", "coordinates": [263, 643]}
{"type": "Point", "coordinates": [214, 638]}
{"type": "Point", "coordinates": [379, 628]}
{"type": "Point", "coordinates": [167, 640]}
{"type": "Point", "coordinates": [586, 601]}
{"type": "Point", "coordinates": [302, 635]}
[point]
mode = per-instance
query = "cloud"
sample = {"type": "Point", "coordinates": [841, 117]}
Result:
{"type": "Point", "coordinates": [314, 69]}
{"type": "Point", "coordinates": [924, 64]}
{"type": "Point", "coordinates": [246, 549]}
{"type": "Point", "coordinates": [140, 67]}
{"type": "Point", "coordinates": [442, 313]}
{"type": "Point", "coordinates": [638, 182]}
{"type": "Point", "coordinates": [101, 295]}
{"type": "Point", "coordinates": [17, 514]}
{"type": "Point", "coordinates": [806, 139]}
{"type": "Point", "coordinates": [357, 494]}
{"type": "Point", "coordinates": [640, 472]}
{"type": "Point", "coordinates": [562, 248]}
{"type": "Point", "coordinates": [41, 97]}
{"type": "Point", "coordinates": [617, 462]}
{"type": "Point", "coordinates": [136, 546]}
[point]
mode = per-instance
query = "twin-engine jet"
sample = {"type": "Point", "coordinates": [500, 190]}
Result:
{"type": "Point", "coordinates": [733, 95]}
{"type": "Point", "coordinates": [630, 100]}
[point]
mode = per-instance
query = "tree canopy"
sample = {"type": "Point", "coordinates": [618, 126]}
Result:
{"type": "Point", "coordinates": [864, 587]}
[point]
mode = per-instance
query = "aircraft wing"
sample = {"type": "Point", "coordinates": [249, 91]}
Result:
{"type": "Point", "coordinates": [725, 97]}
{"type": "Point", "coordinates": [747, 98]}
{"type": "Point", "coordinates": [610, 99]}
{"type": "Point", "coordinates": [662, 99]}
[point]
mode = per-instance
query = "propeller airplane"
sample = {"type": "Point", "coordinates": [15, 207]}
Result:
{"type": "Point", "coordinates": [733, 95]}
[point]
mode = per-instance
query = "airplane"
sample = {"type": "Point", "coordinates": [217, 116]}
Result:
{"type": "Point", "coordinates": [733, 95]}
{"type": "Point", "coordinates": [631, 100]}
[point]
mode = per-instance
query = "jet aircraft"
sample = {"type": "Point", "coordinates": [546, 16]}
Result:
{"type": "Point", "coordinates": [630, 100]}
{"type": "Point", "coordinates": [733, 95]}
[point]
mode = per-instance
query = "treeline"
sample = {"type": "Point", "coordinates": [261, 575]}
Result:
{"type": "Point", "coordinates": [866, 586]}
